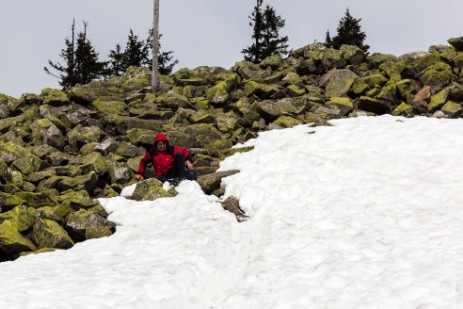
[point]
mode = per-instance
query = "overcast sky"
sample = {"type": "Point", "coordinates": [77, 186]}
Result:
{"type": "Point", "coordinates": [205, 32]}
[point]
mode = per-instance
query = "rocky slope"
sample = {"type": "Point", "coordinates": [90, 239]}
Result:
{"type": "Point", "coordinates": [61, 150]}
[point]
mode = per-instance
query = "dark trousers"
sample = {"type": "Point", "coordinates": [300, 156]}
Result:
{"type": "Point", "coordinates": [178, 170]}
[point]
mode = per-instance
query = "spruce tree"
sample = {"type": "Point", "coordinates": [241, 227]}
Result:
{"type": "Point", "coordinates": [81, 64]}
{"type": "Point", "coordinates": [349, 33]}
{"type": "Point", "coordinates": [267, 41]}
{"type": "Point", "coordinates": [117, 64]}
{"type": "Point", "coordinates": [137, 53]}
{"type": "Point", "coordinates": [166, 62]}
{"type": "Point", "coordinates": [88, 68]}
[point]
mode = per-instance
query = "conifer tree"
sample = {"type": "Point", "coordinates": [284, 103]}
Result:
{"type": "Point", "coordinates": [88, 68]}
{"type": "Point", "coordinates": [81, 64]}
{"type": "Point", "coordinates": [267, 41]}
{"type": "Point", "coordinates": [117, 64]}
{"type": "Point", "coordinates": [349, 33]}
{"type": "Point", "coordinates": [166, 62]}
{"type": "Point", "coordinates": [136, 53]}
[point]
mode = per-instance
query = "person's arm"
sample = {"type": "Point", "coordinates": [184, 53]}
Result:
{"type": "Point", "coordinates": [142, 166]}
{"type": "Point", "coordinates": [188, 159]}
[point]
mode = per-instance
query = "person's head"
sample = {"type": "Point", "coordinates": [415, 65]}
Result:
{"type": "Point", "coordinates": [161, 142]}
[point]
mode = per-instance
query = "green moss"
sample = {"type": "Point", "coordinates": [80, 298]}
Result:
{"type": "Point", "coordinates": [21, 217]}
{"type": "Point", "coordinates": [110, 107]}
{"type": "Point", "coordinates": [344, 105]}
{"type": "Point", "coordinates": [49, 234]}
{"type": "Point", "coordinates": [452, 109]}
{"type": "Point", "coordinates": [286, 122]}
{"type": "Point", "coordinates": [403, 109]}
{"type": "Point", "coordinates": [438, 100]}
{"type": "Point", "coordinates": [54, 97]}
{"type": "Point", "coordinates": [11, 241]}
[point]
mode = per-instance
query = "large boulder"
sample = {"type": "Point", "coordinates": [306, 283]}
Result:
{"type": "Point", "coordinates": [457, 43]}
{"type": "Point", "coordinates": [84, 224]}
{"type": "Point", "coordinates": [270, 109]}
{"type": "Point", "coordinates": [54, 97]}
{"type": "Point", "coordinates": [150, 190]}
{"type": "Point", "coordinates": [49, 234]}
{"type": "Point", "coordinates": [437, 75]}
{"type": "Point", "coordinates": [339, 83]}
{"type": "Point", "coordinates": [211, 182]}
{"type": "Point", "coordinates": [22, 218]}
{"type": "Point", "coordinates": [12, 242]}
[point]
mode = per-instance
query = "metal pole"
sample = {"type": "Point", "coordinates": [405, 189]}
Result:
{"type": "Point", "coordinates": [155, 75]}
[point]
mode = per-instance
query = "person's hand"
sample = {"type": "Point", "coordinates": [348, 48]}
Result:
{"type": "Point", "coordinates": [139, 177]}
{"type": "Point", "coordinates": [188, 165]}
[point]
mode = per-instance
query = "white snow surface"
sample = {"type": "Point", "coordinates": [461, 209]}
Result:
{"type": "Point", "coordinates": [367, 213]}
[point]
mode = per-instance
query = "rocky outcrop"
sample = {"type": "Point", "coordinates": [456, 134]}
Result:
{"type": "Point", "coordinates": [59, 150]}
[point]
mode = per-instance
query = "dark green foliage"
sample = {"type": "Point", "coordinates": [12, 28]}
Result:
{"type": "Point", "coordinates": [349, 33]}
{"type": "Point", "coordinates": [165, 62]}
{"type": "Point", "coordinates": [136, 53]}
{"type": "Point", "coordinates": [267, 41]}
{"type": "Point", "coordinates": [81, 61]}
{"type": "Point", "coordinates": [139, 53]}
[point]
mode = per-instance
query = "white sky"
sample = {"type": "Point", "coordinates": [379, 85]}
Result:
{"type": "Point", "coordinates": [204, 32]}
{"type": "Point", "coordinates": [364, 214]}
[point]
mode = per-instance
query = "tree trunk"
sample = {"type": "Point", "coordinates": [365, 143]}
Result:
{"type": "Point", "coordinates": [155, 74]}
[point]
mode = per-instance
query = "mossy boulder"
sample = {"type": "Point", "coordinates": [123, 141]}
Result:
{"type": "Point", "coordinates": [362, 84]}
{"type": "Point", "coordinates": [36, 199]}
{"type": "Point", "coordinates": [135, 78]}
{"type": "Point", "coordinates": [5, 174]}
{"type": "Point", "coordinates": [10, 152]}
{"type": "Point", "coordinates": [352, 54]}
{"type": "Point", "coordinates": [45, 132]}
{"type": "Point", "coordinates": [247, 110]}
{"type": "Point", "coordinates": [452, 109]}
{"type": "Point", "coordinates": [12, 242]}
{"type": "Point", "coordinates": [438, 100]}
{"type": "Point", "coordinates": [457, 43]}
{"type": "Point", "coordinates": [9, 201]}
{"type": "Point", "coordinates": [270, 109]}
{"type": "Point", "coordinates": [340, 83]}
{"type": "Point", "coordinates": [29, 164]}
{"type": "Point", "coordinates": [286, 122]}
{"type": "Point", "coordinates": [273, 61]}
{"type": "Point", "coordinates": [79, 222]}
{"type": "Point", "coordinates": [211, 182]}
{"type": "Point", "coordinates": [54, 97]}
{"type": "Point", "coordinates": [119, 172]}
{"type": "Point", "coordinates": [403, 109]}
{"type": "Point", "coordinates": [262, 91]}
{"type": "Point", "coordinates": [393, 70]}
{"type": "Point", "coordinates": [407, 89]}
{"type": "Point", "coordinates": [437, 75]}
{"type": "Point", "coordinates": [21, 217]}
{"type": "Point", "coordinates": [36, 177]}
{"type": "Point", "coordinates": [226, 122]}
{"type": "Point", "coordinates": [149, 190]}
{"type": "Point", "coordinates": [56, 213]}
{"type": "Point", "coordinates": [344, 105]}
{"type": "Point", "coordinates": [49, 234]}
{"type": "Point", "coordinates": [106, 106]}
{"type": "Point", "coordinates": [81, 135]}
{"type": "Point", "coordinates": [95, 162]}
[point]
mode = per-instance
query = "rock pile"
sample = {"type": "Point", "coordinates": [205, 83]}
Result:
{"type": "Point", "coordinates": [59, 150]}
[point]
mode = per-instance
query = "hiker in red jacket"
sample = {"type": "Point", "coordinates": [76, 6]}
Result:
{"type": "Point", "coordinates": [170, 162]}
